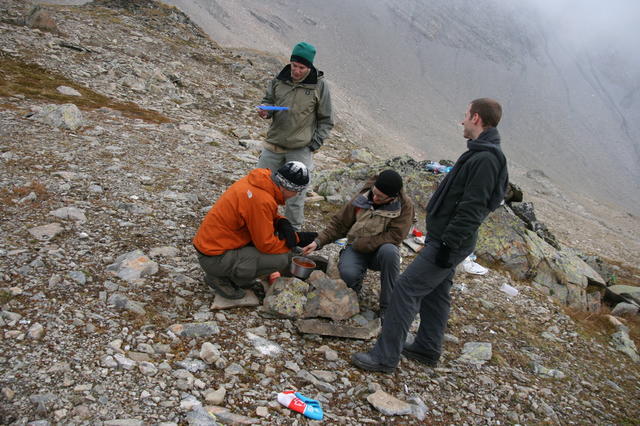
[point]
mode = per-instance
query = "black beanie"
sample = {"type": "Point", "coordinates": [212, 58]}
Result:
{"type": "Point", "coordinates": [389, 183]}
{"type": "Point", "coordinates": [293, 176]}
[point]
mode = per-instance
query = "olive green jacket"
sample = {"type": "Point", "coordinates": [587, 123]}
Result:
{"type": "Point", "coordinates": [308, 120]}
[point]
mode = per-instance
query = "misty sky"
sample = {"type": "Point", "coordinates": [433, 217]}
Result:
{"type": "Point", "coordinates": [594, 23]}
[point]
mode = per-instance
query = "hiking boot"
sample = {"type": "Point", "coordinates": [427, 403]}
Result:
{"type": "Point", "coordinates": [225, 287]}
{"type": "Point", "coordinates": [365, 361]}
{"type": "Point", "coordinates": [410, 352]}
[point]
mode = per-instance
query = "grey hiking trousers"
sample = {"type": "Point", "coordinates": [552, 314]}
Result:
{"type": "Point", "coordinates": [294, 207]}
{"type": "Point", "coordinates": [423, 287]}
{"type": "Point", "coordinates": [353, 266]}
{"type": "Point", "coordinates": [242, 266]}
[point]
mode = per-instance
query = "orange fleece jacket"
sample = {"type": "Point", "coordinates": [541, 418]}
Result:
{"type": "Point", "coordinates": [245, 213]}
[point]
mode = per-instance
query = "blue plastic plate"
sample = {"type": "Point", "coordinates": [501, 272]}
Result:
{"type": "Point", "coordinates": [272, 108]}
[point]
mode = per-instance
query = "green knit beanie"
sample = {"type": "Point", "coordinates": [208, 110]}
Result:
{"type": "Point", "coordinates": [303, 53]}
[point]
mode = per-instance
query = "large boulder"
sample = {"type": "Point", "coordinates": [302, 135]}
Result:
{"type": "Point", "coordinates": [563, 275]}
{"type": "Point", "coordinates": [623, 293]}
{"type": "Point", "coordinates": [502, 243]}
{"type": "Point", "coordinates": [330, 298]}
{"type": "Point", "coordinates": [286, 298]}
{"type": "Point", "coordinates": [525, 211]}
{"type": "Point", "coordinates": [601, 266]}
{"type": "Point", "coordinates": [133, 266]}
{"type": "Point", "coordinates": [505, 242]}
{"type": "Point", "coordinates": [320, 297]}
{"type": "Point", "coordinates": [40, 19]}
{"type": "Point", "coordinates": [66, 116]}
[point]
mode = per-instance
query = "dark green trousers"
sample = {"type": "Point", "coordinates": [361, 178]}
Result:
{"type": "Point", "coordinates": [243, 265]}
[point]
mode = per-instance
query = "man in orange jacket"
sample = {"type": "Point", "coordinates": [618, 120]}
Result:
{"type": "Point", "coordinates": [243, 237]}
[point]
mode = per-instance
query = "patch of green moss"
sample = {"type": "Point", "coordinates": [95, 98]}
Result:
{"type": "Point", "coordinates": [628, 421]}
{"type": "Point", "coordinates": [34, 82]}
{"type": "Point", "coordinates": [5, 297]}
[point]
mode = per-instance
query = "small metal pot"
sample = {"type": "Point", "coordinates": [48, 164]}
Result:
{"type": "Point", "coordinates": [302, 267]}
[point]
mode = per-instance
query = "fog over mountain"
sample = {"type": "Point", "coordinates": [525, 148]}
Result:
{"type": "Point", "coordinates": [567, 79]}
{"type": "Point", "coordinates": [565, 72]}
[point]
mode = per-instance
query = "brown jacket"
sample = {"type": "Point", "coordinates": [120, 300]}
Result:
{"type": "Point", "coordinates": [367, 228]}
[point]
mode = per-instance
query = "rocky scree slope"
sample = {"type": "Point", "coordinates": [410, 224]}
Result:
{"type": "Point", "coordinates": [167, 122]}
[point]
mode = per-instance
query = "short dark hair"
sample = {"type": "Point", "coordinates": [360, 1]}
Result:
{"type": "Point", "coordinates": [489, 110]}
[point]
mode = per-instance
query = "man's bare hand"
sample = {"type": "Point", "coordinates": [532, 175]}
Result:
{"type": "Point", "coordinates": [263, 114]}
{"type": "Point", "coordinates": [309, 249]}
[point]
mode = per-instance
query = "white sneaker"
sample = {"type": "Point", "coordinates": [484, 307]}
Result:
{"type": "Point", "coordinates": [471, 267]}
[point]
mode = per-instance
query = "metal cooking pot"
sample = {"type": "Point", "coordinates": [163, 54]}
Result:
{"type": "Point", "coordinates": [302, 267]}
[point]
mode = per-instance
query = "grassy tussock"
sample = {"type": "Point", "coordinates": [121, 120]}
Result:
{"type": "Point", "coordinates": [595, 324]}
{"type": "Point", "coordinates": [8, 195]}
{"type": "Point", "coordinates": [625, 275]}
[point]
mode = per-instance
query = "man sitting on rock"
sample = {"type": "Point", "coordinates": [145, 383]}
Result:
{"type": "Point", "coordinates": [375, 222]}
{"type": "Point", "coordinates": [243, 237]}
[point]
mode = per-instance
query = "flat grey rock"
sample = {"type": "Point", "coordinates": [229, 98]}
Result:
{"type": "Point", "coordinates": [264, 346]}
{"type": "Point", "coordinates": [624, 344]}
{"type": "Point", "coordinates": [225, 416]}
{"type": "Point", "coordinates": [625, 308]}
{"type": "Point", "coordinates": [412, 244]}
{"type": "Point", "coordinates": [389, 405]}
{"type": "Point", "coordinates": [549, 373]}
{"type": "Point", "coordinates": [69, 91]}
{"type": "Point", "coordinates": [324, 328]}
{"type": "Point", "coordinates": [476, 353]}
{"type": "Point", "coordinates": [123, 422]}
{"type": "Point", "coordinates": [46, 232]}
{"type": "Point", "coordinates": [73, 213]}
{"type": "Point", "coordinates": [202, 329]}
{"type": "Point", "coordinates": [249, 299]}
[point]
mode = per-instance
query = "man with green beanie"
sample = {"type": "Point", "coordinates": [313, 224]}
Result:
{"type": "Point", "coordinates": [296, 133]}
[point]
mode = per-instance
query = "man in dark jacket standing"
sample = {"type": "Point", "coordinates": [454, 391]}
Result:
{"type": "Point", "coordinates": [375, 222]}
{"type": "Point", "coordinates": [474, 187]}
{"type": "Point", "coordinates": [296, 133]}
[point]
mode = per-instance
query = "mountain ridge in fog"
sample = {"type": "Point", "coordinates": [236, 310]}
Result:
{"type": "Point", "coordinates": [411, 67]}
{"type": "Point", "coordinates": [573, 114]}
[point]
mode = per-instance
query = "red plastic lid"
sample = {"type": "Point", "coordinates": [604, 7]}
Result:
{"type": "Point", "coordinates": [274, 276]}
